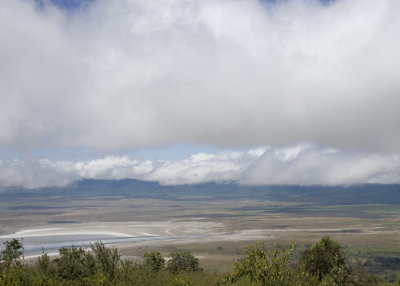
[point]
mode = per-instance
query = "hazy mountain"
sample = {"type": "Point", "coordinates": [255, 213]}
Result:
{"type": "Point", "coordinates": [86, 189]}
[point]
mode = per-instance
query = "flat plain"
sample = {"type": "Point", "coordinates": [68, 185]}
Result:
{"type": "Point", "coordinates": [216, 221]}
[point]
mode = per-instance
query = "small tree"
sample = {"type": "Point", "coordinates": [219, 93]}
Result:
{"type": "Point", "coordinates": [107, 258]}
{"type": "Point", "coordinates": [183, 261]}
{"type": "Point", "coordinates": [325, 258]}
{"type": "Point", "coordinates": [263, 268]}
{"type": "Point", "coordinates": [13, 270]}
{"type": "Point", "coordinates": [43, 262]}
{"type": "Point", "coordinates": [75, 264]}
{"type": "Point", "coordinates": [154, 260]}
{"type": "Point", "coordinates": [12, 253]}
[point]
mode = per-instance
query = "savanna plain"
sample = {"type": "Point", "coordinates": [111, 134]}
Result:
{"type": "Point", "coordinates": [215, 222]}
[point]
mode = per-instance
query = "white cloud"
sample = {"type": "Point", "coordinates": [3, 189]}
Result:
{"type": "Point", "coordinates": [302, 164]}
{"type": "Point", "coordinates": [309, 165]}
{"type": "Point", "coordinates": [199, 168]}
{"type": "Point", "coordinates": [125, 74]}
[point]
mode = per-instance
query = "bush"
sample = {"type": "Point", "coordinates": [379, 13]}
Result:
{"type": "Point", "coordinates": [322, 264]}
{"type": "Point", "coordinates": [13, 270]}
{"type": "Point", "coordinates": [106, 258]}
{"type": "Point", "coordinates": [75, 264]}
{"type": "Point", "coordinates": [183, 261]}
{"type": "Point", "coordinates": [154, 260]}
{"type": "Point", "coordinates": [262, 267]}
{"type": "Point", "coordinates": [325, 258]}
{"type": "Point", "coordinates": [11, 255]}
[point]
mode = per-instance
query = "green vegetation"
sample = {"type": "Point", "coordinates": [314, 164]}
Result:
{"type": "Point", "coordinates": [325, 259]}
{"type": "Point", "coordinates": [183, 261]}
{"type": "Point", "coordinates": [154, 260]}
{"type": "Point", "coordinates": [263, 268]}
{"type": "Point", "coordinates": [100, 265]}
{"type": "Point", "coordinates": [322, 264]}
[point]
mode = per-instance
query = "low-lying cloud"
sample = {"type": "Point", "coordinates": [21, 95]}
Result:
{"type": "Point", "coordinates": [298, 165]}
{"type": "Point", "coordinates": [126, 74]}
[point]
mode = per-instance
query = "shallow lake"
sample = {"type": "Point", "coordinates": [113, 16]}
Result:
{"type": "Point", "coordinates": [33, 245]}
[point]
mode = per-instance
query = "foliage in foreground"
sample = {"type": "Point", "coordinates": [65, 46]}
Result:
{"type": "Point", "coordinates": [100, 265]}
{"type": "Point", "coordinates": [322, 264]}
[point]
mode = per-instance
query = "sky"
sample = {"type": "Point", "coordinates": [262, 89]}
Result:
{"type": "Point", "coordinates": [189, 91]}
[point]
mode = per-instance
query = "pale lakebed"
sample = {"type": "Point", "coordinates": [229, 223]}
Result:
{"type": "Point", "coordinates": [50, 240]}
{"type": "Point", "coordinates": [137, 234]}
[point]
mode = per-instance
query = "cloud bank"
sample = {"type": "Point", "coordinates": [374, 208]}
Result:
{"type": "Point", "coordinates": [298, 165]}
{"type": "Point", "coordinates": [126, 74]}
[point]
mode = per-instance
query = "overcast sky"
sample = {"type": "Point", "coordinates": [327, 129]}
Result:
{"type": "Point", "coordinates": [187, 91]}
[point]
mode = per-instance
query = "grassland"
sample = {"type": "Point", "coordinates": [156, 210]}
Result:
{"type": "Point", "coordinates": [368, 228]}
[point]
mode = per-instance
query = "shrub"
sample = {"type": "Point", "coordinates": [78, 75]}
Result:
{"type": "Point", "coordinates": [75, 264]}
{"type": "Point", "coordinates": [154, 260]}
{"type": "Point", "coordinates": [325, 258]}
{"type": "Point", "coordinates": [183, 261]}
{"type": "Point", "coordinates": [106, 258]}
{"type": "Point", "coordinates": [11, 255]}
{"type": "Point", "coordinates": [263, 267]}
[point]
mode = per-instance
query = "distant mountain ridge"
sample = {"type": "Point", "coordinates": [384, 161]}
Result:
{"type": "Point", "coordinates": [90, 188]}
